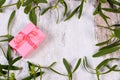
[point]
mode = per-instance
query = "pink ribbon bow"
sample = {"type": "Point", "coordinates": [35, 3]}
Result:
{"type": "Point", "coordinates": [22, 37]}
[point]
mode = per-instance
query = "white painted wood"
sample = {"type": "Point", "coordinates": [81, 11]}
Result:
{"type": "Point", "coordinates": [72, 39]}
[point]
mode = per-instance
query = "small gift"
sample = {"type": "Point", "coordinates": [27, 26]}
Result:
{"type": "Point", "coordinates": [27, 40]}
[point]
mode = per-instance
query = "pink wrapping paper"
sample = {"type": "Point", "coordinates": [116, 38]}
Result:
{"type": "Point", "coordinates": [27, 40]}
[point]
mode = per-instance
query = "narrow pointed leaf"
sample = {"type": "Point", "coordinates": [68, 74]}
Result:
{"type": "Point", "coordinates": [102, 43]}
{"type": "Point", "coordinates": [87, 66]}
{"type": "Point", "coordinates": [40, 1]}
{"type": "Point", "coordinates": [97, 9]}
{"type": "Point", "coordinates": [72, 14]}
{"type": "Point", "coordinates": [32, 76]}
{"type": "Point", "coordinates": [16, 59]}
{"type": "Point", "coordinates": [5, 40]}
{"type": "Point", "coordinates": [52, 64]}
{"type": "Point", "coordinates": [57, 72]}
{"type": "Point", "coordinates": [110, 69]}
{"type": "Point", "coordinates": [111, 10]}
{"type": "Point", "coordinates": [103, 1]}
{"type": "Point", "coordinates": [111, 4]}
{"type": "Point", "coordinates": [65, 6]}
{"type": "Point", "coordinates": [67, 66]}
{"type": "Point", "coordinates": [105, 62]}
{"type": "Point", "coordinates": [114, 44]}
{"type": "Point", "coordinates": [117, 32]}
{"type": "Point", "coordinates": [106, 51]}
{"type": "Point", "coordinates": [27, 2]}
{"type": "Point", "coordinates": [81, 9]}
{"type": "Point", "coordinates": [33, 16]}
{"type": "Point", "coordinates": [77, 65]}
{"type": "Point", "coordinates": [117, 25]}
{"type": "Point", "coordinates": [2, 2]}
{"type": "Point", "coordinates": [27, 8]}
{"type": "Point", "coordinates": [45, 10]}
{"type": "Point", "coordinates": [18, 4]}
{"type": "Point", "coordinates": [10, 19]}
{"type": "Point", "coordinates": [11, 68]}
{"type": "Point", "coordinates": [9, 57]}
{"type": "Point", "coordinates": [4, 36]}
{"type": "Point", "coordinates": [115, 2]}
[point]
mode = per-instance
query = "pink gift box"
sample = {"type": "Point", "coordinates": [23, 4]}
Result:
{"type": "Point", "coordinates": [27, 40]}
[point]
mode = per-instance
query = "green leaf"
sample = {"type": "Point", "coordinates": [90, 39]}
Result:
{"type": "Point", "coordinates": [110, 45]}
{"type": "Point", "coordinates": [45, 10]}
{"type": "Point", "coordinates": [10, 19]}
{"type": "Point", "coordinates": [110, 69]}
{"type": "Point", "coordinates": [77, 65]}
{"type": "Point", "coordinates": [103, 1]}
{"type": "Point", "coordinates": [12, 76]}
{"type": "Point", "coordinates": [111, 4]}
{"type": "Point", "coordinates": [98, 10]}
{"type": "Point", "coordinates": [98, 74]}
{"type": "Point", "coordinates": [3, 52]}
{"type": "Point", "coordinates": [16, 59]}
{"type": "Point", "coordinates": [67, 66]}
{"type": "Point", "coordinates": [103, 43]}
{"type": "Point", "coordinates": [32, 76]}
{"type": "Point", "coordinates": [117, 25]}
{"type": "Point", "coordinates": [105, 62]}
{"type": "Point", "coordinates": [106, 51]}
{"type": "Point", "coordinates": [27, 2]}
{"type": "Point", "coordinates": [111, 10]}
{"type": "Point", "coordinates": [65, 6]}
{"type": "Point", "coordinates": [27, 8]}
{"type": "Point", "coordinates": [33, 16]}
{"type": "Point", "coordinates": [81, 8]}
{"type": "Point", "coordinates": [11, 68]}
{"type": "Point", "coordinates": [72, 14]}
{"type": "Point", "coordinates": [87, 66]}
{"type": "Point", "coordinates": [104, 16]}
{"type": "Point", "coordinates": [18, 4]}
{"type": "Point", "coordinates": [57, 72]}
{"type": "Point", "coordinates": [117, 32]}
{"type": "Point", "coordinates": [9, 57]}
{"type": "Point", "coordinates": [4, 36]}
{"type": "Point", "coordinates": [4, 40]}
{"type": "Point", "coordinates": [1, 10]}
{"type": "Point", "coordinates": [2, 2]}
{"type": "Point", "coordinates": [40, 1]}
{"type": "Point", "coordinates": [115, 2]}
{"type": "Point", "coordinates": [52, 64]}
{"type": "Point", "coordinates": [29, 64]}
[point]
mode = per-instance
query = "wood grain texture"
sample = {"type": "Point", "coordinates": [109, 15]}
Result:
{"type": "Point", "coordinates": [102, 33]}
{"type": "Point", "coordinates": [72, 39]}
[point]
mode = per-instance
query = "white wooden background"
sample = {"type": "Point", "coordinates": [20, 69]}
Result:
{"type": "Point", "coordinates": [72, 39]}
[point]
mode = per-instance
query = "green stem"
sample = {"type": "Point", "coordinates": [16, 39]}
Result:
{"type": "Point", "coordinates": [98, 74]}
{"type": "Point", "coordinates": [57, 16]}
{"type": "Point", "coordinates": [3, 52]}
{"type": "Point", "coordinates": [49, 68]}
{"type": "Point", "coordinates": [8, 74]}
{"type": "Point", "coordinates": [57, 72]}
{"type": "Point", "coordinates": [55, 6]}
{"type": "Point", "coordinates": [8, 5]}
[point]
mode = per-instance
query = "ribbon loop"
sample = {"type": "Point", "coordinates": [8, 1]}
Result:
{"type": "Point", "coordinates": [22, 37]}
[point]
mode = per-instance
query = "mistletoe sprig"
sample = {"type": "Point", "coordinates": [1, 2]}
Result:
{"type": "Point", "coordinates": [31, 5]}
{"type": "Point", "coordinates": [36, 70]}
{"type": "Point", "coordinates": [100, 69]}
